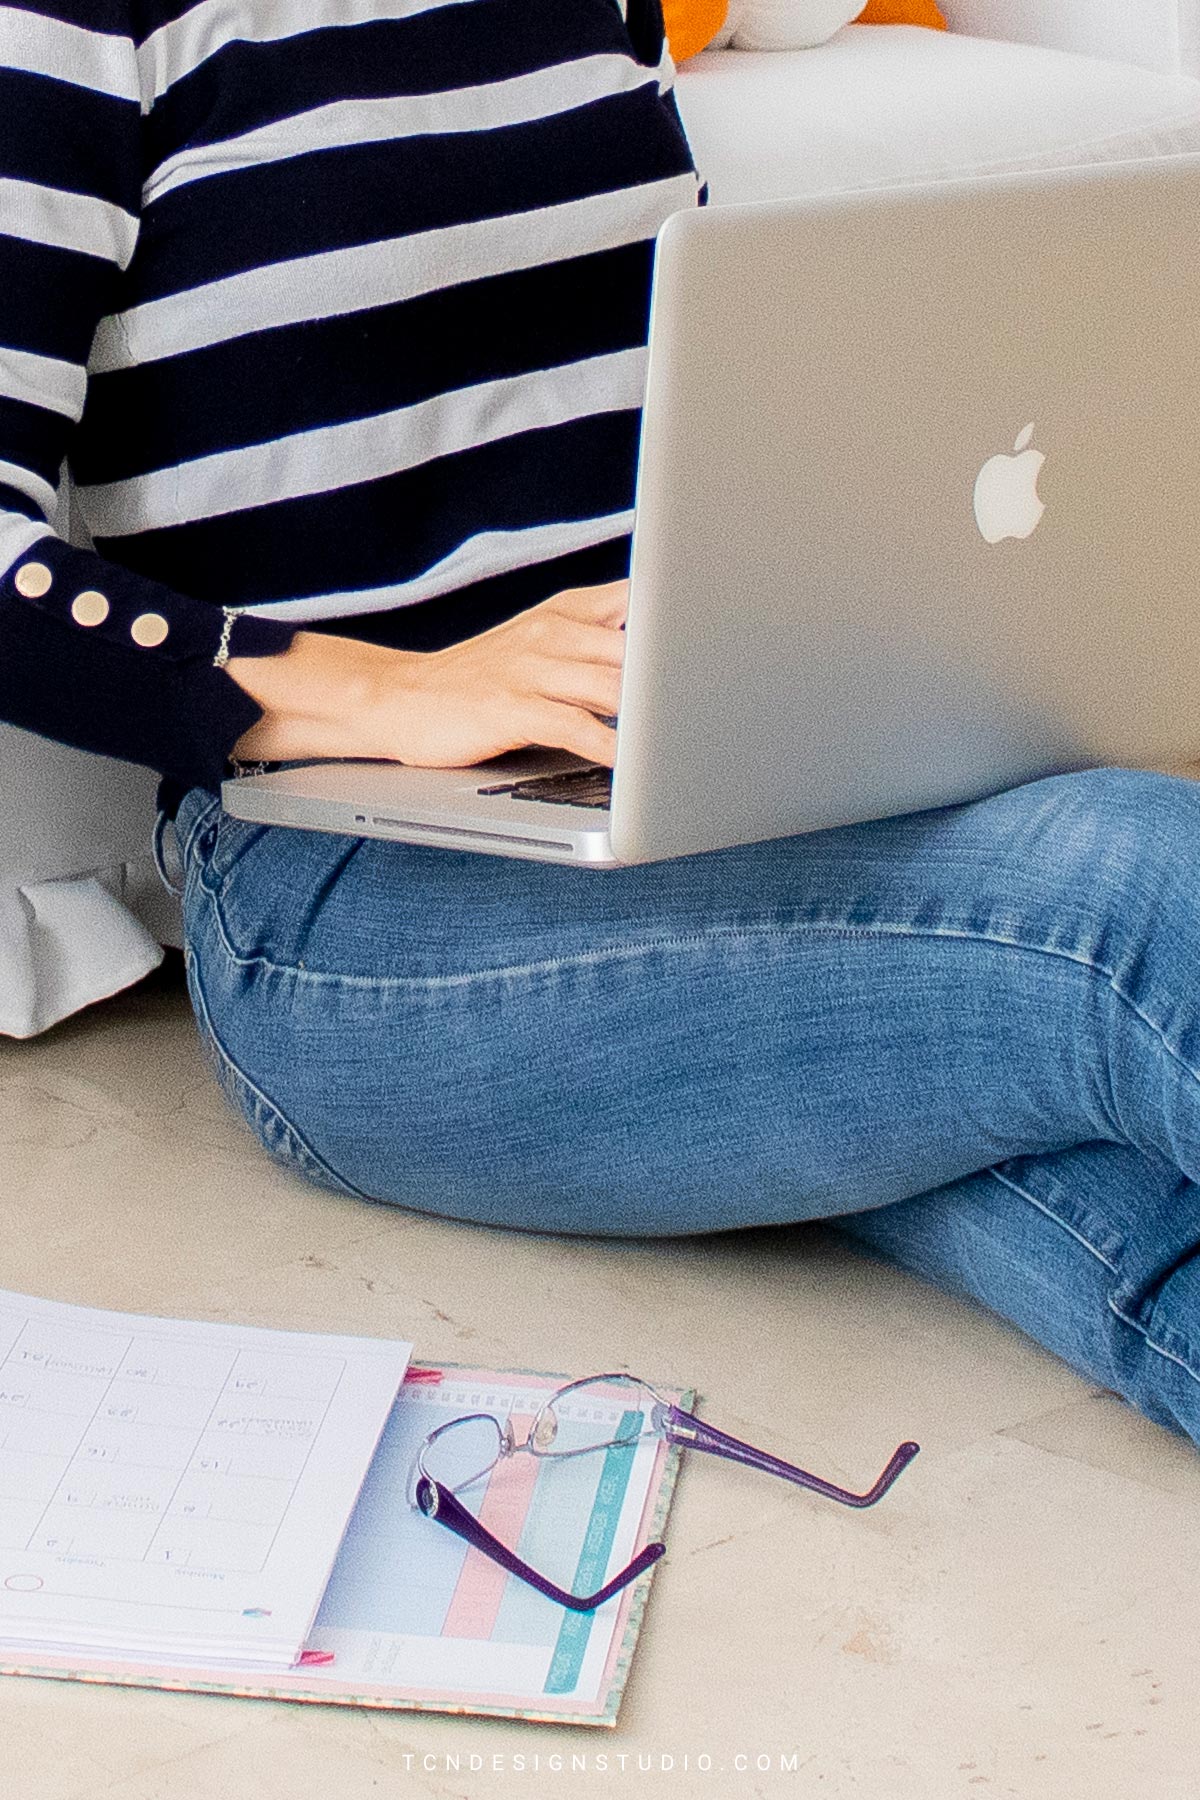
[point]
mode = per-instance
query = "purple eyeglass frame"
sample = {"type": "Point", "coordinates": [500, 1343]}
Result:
{"type": "Point", "coordinates": [671, 1422]}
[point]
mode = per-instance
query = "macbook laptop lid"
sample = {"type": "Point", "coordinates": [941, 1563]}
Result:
{"type": "Point", "coordinates": [914, 522]}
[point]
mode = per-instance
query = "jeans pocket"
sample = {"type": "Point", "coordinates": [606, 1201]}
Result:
{"type": "Point", "coordinates": [276, 1133]}
{"type": "Point", "coordinates": [230, 840]}
{"type": "Point", "coordinates": [211, 840]}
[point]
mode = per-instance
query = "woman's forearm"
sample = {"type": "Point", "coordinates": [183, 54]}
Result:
{"type": "Point", "coordinates": [550, 675]}
{"type": "Point", "coordinates": [317, 697]}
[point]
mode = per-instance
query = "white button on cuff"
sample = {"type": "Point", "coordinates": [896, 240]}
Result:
{"type": "Point", "coordinates": [33, 580]}
{"type": "Point", "coordinates": [91, 608]}
{"type": "Point", "coordinates": [149, 630]}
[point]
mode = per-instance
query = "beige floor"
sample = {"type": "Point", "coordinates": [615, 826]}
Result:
{"type": "Point", "coordinates": [1018, 1618]}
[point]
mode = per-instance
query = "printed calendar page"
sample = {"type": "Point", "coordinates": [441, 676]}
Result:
{"type": "Point", "coordinates": [174, 1486]}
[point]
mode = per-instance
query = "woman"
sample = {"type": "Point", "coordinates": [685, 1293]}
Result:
{"type": "Point", "coordinates": [339, 308]}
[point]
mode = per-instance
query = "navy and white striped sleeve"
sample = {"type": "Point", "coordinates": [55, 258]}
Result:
{"type": "Point", "coordinates": [90, 653]}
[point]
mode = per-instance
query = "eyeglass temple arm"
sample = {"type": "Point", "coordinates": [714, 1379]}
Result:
{"type": "Point", "coordinates": [437, 1502]}
{"type": "Point", "coordinates": [696, 1434]}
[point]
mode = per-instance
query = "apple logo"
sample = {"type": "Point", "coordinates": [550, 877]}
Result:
{"type": "Point", "coordinates": [1006, 496]}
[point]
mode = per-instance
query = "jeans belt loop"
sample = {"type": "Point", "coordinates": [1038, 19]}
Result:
{"type": "Point", "coordinates": [160, 855]}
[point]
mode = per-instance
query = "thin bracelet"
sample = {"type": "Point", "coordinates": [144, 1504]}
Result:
{"type": "Point", "coordinates": [222, 656]}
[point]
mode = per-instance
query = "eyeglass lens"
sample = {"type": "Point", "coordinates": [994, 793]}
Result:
{"type": "Point", "coordinates": [461, 1453]}
{"type": "Point", "coordinates": [596, 1414]}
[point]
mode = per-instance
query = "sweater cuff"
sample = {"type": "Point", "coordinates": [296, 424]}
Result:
{"type": "Point", "coordinates": [109, 661]}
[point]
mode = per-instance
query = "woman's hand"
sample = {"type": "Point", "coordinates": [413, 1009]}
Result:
{"type": "Point", "coordinates": [546, 676]}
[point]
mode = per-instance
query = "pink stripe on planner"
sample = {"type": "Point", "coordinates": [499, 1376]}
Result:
{"type": "Point", "coordinates": [480, 1586]}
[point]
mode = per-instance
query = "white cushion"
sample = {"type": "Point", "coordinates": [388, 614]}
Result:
{"type": "Point", "coordinates": [79, 908]}
{"type": "Point", "coordinates": [66, 943]}
{"type": "Point", "coordinates": [1189, 36]}
{"type": "Point", "coordinates": [1159, 34]}
{"type": "Point", "coordinates": [783, 24]}
{"type": "Point", "coordinates": [882, 104]}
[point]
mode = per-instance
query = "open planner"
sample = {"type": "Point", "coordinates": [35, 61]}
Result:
{"type": "Point", "coordinates": [224, 1508]}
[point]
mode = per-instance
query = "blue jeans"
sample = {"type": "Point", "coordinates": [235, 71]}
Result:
{"type": "Point", "coordinates": [971, 1037]}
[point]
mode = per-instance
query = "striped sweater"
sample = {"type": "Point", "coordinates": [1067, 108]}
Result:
{"type": "Point", "coordinates": [336, 312]}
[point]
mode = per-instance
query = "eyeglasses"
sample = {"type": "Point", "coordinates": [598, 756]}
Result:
{"type": "Point", "coordinates": [601, 1412]}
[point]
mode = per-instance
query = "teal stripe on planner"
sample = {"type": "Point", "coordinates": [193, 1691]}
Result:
{"type": "Point", "coordinates": [567, 1661]}
{"type": "Point", "coordinates": [565, 1491]}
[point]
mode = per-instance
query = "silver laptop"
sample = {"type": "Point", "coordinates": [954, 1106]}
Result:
{"type": "Point", "coordinates": [917, 520]}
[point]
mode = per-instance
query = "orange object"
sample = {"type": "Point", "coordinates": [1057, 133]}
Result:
{"type": "Point", "coordinates": [901, 12]}
{"type": "Point", "coordinates": [692, 25]}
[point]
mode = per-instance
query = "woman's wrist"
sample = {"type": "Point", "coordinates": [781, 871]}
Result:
{"type": "Point", "coordinates": [318, 696]}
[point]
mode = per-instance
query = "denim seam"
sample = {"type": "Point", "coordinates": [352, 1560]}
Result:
{"type": "Point", "coordinates": [1007, 1182]}
{"type": "Point", "coordinates": [320, 977]}
{"type": "Point", "coordinates": [264, 1099]}
{"type": "Point", "coordinates": [1113, 1307]}
{"type": "Point", "coordinates": [1159, 1350]}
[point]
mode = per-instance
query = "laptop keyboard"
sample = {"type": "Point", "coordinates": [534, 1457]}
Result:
{"type": "Point", "coordinates": [574, 787]}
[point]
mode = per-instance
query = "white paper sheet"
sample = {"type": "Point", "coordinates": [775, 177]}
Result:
{"type": "Point", "coordinates": [175, 1486]}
